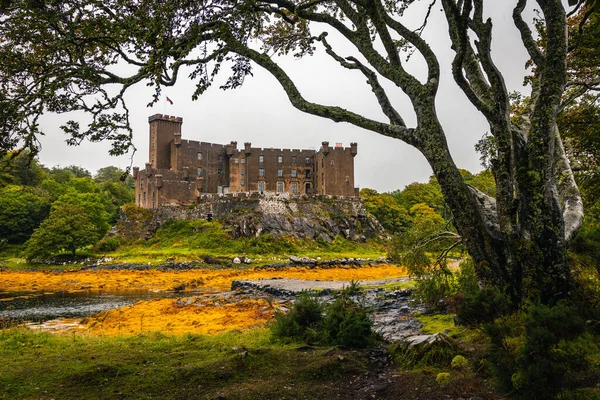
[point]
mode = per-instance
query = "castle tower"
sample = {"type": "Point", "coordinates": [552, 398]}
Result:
{"type": "Point", "coordinates": [164, 129]}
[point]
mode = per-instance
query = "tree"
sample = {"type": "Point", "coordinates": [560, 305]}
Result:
{"type": "Point", "coordinates": [66, 228]}
{"type": "Point", "coordinates": [114, 175]}
{"type": "Point", "coordinates": [20, 168]}
{"type": "Point", "coordinates": [22, 209]}
{"type": "Point", "coordinates": [391, 215]}
{"type": "Point", "coordinates": [57, 56]}
{"type": "Point", "coordinates": [95, 205]}
{"type": "Point", "coordinates": [63, 174]}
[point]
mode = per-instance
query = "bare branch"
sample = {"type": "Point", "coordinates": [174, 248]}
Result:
{"type": "Point", "coordinates": [333, 113]}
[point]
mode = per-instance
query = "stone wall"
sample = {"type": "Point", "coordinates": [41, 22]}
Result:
{"type": "Point", "coordinates": [314, 217]}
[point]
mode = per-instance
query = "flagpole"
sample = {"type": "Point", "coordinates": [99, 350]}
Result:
{"type": "Point", "coordinates": [165, 106]}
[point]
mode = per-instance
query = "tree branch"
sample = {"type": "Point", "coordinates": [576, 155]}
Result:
{"type": "Point", "coordinates": [333, 113]}
{"type": "Point", "coordinates": [526, 35]}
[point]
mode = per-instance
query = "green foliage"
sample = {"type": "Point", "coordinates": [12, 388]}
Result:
{"type": "Point", "coordinates": [95, 205]}
{"type": "Point", "coordinates": [385, 207]}
{"type": "Point", "coordinates": [482, 306]}
{"type": "Point", "coordinates": [22, 209]}
{"type": "Point", "coordinates": [20, 168]}
{"type": "Point", "coordinates": [114, 174]}
{"type": "Point", "coordinates": [107, 244]}
{"type": "Point", "coordinates": [302, 321]}
{"type": "Point", "coordinates": [67, 228]}
{"type": "Point", "coordinates": [64, 174]}
{"type": "Point", "coordinates": [538, 352]}
{"type": "Point", "coordinates": [425, 193]}
{"type": "Point", "coordinates": [341, 323]}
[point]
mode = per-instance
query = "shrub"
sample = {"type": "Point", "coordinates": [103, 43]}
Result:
{"type": "Point", "coordinates": [301, 322]}
{"type": "Point", "coordinates": [535, 352]}
{"type": "Point", "coordinates": [482, 306]}
{"type": "Point", "coordinates": [342, 323]}
{"type": "Point", "coordinates": [108, 244]}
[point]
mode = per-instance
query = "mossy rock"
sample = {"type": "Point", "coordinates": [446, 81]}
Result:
{"type": "Point", "coordinates": [424, 350]}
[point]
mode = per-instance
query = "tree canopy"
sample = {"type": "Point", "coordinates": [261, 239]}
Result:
{"type": "Point", "coordinates": [60, 56]}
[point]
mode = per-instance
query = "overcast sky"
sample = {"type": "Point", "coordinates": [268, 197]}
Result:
{"type": "Point", "coordinates": [260, 112]}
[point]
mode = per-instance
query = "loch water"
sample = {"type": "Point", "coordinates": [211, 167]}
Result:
{"type": "Point", "coordinates": [44, 306]}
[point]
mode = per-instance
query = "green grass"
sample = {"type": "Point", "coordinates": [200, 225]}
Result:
{"type": "Point", "coordinates": [388, 287]}
{"type": "Point", "coordinates": [234, 365]}
{"type": "Point", "coordinates": [438, 323]}
{"type": "Point", "coordinates": [183, 241]}
{"type": "Point", "coordinates": [193, 240]}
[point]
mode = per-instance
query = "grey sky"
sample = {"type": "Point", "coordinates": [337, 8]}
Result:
{"type": "Point", "coordinates": [260, 112]}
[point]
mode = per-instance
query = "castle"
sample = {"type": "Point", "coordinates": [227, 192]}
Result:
{"type": "Point", "coordinates": [179, 171]}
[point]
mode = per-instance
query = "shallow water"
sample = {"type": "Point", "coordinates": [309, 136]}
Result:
{"type": "Point", "coordinates": [42, 306]}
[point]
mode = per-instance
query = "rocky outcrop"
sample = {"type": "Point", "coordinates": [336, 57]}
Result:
{"type": "Point", "coordinates": [313, 217]}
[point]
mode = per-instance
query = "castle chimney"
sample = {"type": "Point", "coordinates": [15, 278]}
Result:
{"type": "Point", "coordinates": [177, 139]}
{"type": "Point", "coordinates": [148, 169]}
{"type": "Point", "coordinates": [186, 173]}
{"type": "Point", "coordinates": [136, 170]}
{"type": "Point", "coordinates": [159, 181]}
{"type": "Point", "coordinates": [353, 148]}
{"type": "Point", "coordinates": [231, 148]}
{"type": "Point", "coordinates": [325, 147]}
{"type": "Point", "coordinates": [247, 148]}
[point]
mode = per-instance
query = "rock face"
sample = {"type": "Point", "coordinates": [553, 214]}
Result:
{"type": "Point", "coordinates": [314, 217]}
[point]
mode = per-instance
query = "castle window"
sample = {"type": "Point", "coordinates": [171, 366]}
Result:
{"type": "Point", "coordinates": [220, 158]}
{"type": "Point", "coordinates": [294, 173]}
{"type": "Point", "coordinates": [307, 160]}
{"type": "Point", "coordinates": [261, 158]}
{"type": "Point", "coordinates": [220, 172]}
{"type": "Point", "coordinates": [294, 188]}
{"type": "Point", "coordinates": [293, 159]}
{"type": "Point", "coordinates": [347, 179]}
{"type": "Point", "coordinates": [279, 159]}
{"type": "Point", "coordinates": [243, 161]}
{"type": "Point", "coordinates": [307, 188]}
{"type": "Point", "coordinates": [199, 171]}
{"type": "Point", "coordinates": [139, 199]}
{"type": "Point", "coordinates": [141, 183]}
{"type": "Point", "coordinates": [153, 144]}
{"type": "Point", "coordinates": [279, 187]}
{"type": "Point", "coordinates": [144, 197]}
{"type": "Point", "coordinates": [236, 160]}
{"type": "Point", "coordinates": [261, 172]}
{"type": "Point", "coordinates": [308, 174]}
{"type": "Point", "coordinates": [280, 173]}
{"type": "Point", "coordinates": [322, 162]}
{"type": "Point", "coordinates": [243, 171]}
{"type": "Point", "coordinates": [261, 186]}
{"type": "Point", "coordinates": [199, 156]}
{"type": "Point", "coordinates": [242, 182]}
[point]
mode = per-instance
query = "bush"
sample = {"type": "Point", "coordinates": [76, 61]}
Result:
{"type": "Point", "coordinates": [536, 352]}
{"type": "Point", "coordinates": [108, 244]}
{"type": "Point", "coordinates": [342, 323]}
{"type": "Point", "coordinates": [301, 323]}
{"type": "Point", "coordinates": [482, 306]}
